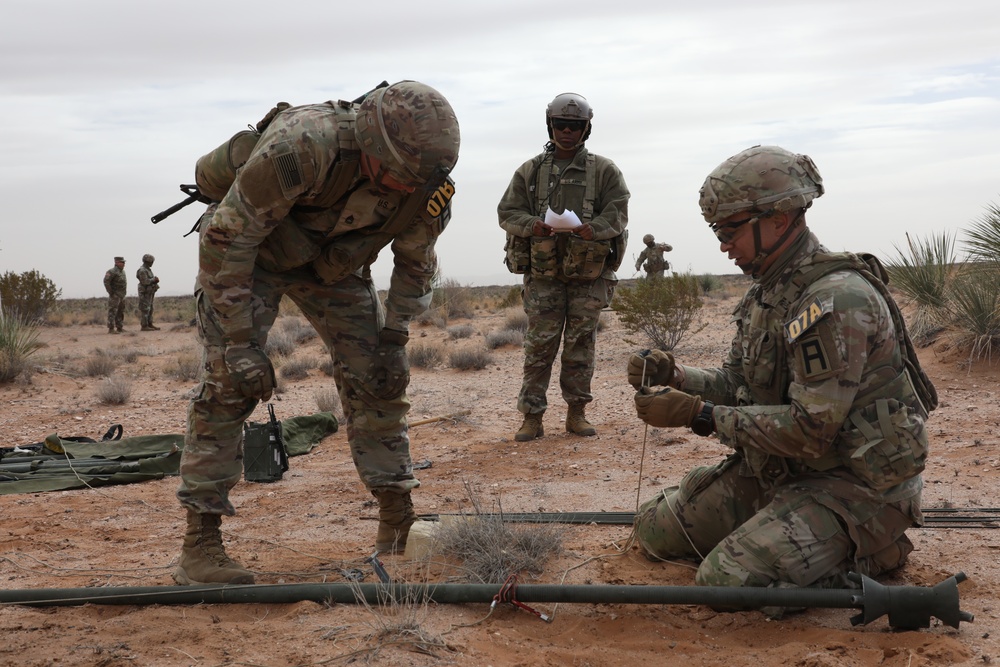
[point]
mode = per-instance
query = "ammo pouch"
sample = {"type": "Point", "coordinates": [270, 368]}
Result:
{"type": "Point", "coordinates": [884, 443]}
{"type": "Point", "coordinates": [517, 254]}
{"type": "Point", "coordinates": [584, 260]}
{"type": "Point", "coordinates": [265, 458]}
{"type": "Point", "coordinates": [544, 256]}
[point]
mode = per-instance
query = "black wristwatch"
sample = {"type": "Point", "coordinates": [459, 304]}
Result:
{"type": "Point", "coordinates": [703, 424]}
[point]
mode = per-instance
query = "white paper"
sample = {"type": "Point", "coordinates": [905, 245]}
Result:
{"type": "Point", "coordinates": [562, 222]}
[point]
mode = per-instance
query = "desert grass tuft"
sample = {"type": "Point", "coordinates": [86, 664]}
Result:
{"type": "Point", "coordinates": [424, 355]}
{"type": "Point", "coordinates": [114, 390]}
{"type": "Point", "coordinates": [470, 358]}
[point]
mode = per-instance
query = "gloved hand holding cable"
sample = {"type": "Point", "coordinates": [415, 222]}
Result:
{"type": "Point", "coordinates": [667, 407]}
{"type": "Point", "coordinates": [651, 368]}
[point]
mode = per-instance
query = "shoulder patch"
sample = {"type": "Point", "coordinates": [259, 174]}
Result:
{"type": "Point", "coordinates": [814, 360]}
{"type": "Point", "coordinates": [439, 199]}
{"type": "Point", "coordinates": [288, 170]}
{"type": "Point", "coordinates": [809, 316]}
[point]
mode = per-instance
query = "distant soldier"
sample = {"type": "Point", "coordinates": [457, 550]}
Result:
{"type": "Point", "coordinates": [148, 284]}
{"type": "Point", "coordinates": [652, 255]}
{"type": "Point", "coordinates": [116, 284]}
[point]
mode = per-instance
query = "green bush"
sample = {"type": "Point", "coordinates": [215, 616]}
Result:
{"type": "Point", "coordinates": [661, 310]}
{"type": "Point", "coordinates": [28, 295]}
{"type": "Point", "coordinates": [18, 341]}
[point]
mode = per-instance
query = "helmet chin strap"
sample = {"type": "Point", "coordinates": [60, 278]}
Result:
{"type": "Point", "coordinates": [757, 263]}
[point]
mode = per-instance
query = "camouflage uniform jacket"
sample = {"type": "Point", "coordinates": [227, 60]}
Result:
{"type": "Point", "coordinates": [115, 281]}
{"type": "Point", "coordinates": [278, 215]}
{"type": "Point", "coordinates": [519, 207]}
{"type": "Point", "coordinates": [147, 281]}
{"type": "Point", "coordinates": [809, 366]}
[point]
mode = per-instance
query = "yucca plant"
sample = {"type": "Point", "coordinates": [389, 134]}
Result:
{"type": "Point", "coordinates": [974, 311]}
{"type": "Point", "coordinates": [983, 239]}
{"type": "Point", "coordinates": [922, 273]}
{"type": "Point", "coordinates": [18, 341]}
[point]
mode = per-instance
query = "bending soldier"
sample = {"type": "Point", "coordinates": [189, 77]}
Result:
{"type": "Point", "coordinates": [325, 188]}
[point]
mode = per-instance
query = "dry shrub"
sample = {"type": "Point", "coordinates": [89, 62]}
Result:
{"type": "Point", "coordinates": [279, 343]}
{"type": "Point", "coordinates": [298, 329]}
{"type": "Point", "coordinates": [184, 367]}
{"type": "Point", "coordinates": [489, 550]}
{"type": "Point", "coordinates": [516, 320]}
{"type": "Point", "coordinates": [18, 341]}
{"type": "Point", "coordinates": [502, 337]}
{"type": "Point", "coordinates": [114, 390]}
{"type": "Point", "coordinates": [328, 367]}
{"type": "Point", "coordinates": [99, 364]}
{"type": "Point", "coordinates": [328, 400]}
{"type": "Point", "coordinates": [460, 331]}
{"type": "Point", "coordinates": [297, 368]}
{"type": "Point", "coordinates": [470, 358]}
{"type": "Point", "coordinates": [424, 355]}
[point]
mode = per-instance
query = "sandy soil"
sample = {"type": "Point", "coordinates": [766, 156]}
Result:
{"type": "Point", "coordinates": [318, 520]}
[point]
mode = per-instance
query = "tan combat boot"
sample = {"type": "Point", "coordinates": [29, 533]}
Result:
{"type": "Point", "coordinates": [203, 558]}
{"type": "Point", "coordinates": [531, 428]}
{"type": "Point", "coordinates": [395, 516]}
{"type": "Point", "coordinates": [577, 423]}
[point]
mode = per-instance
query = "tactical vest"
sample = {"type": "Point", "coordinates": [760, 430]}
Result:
{"type": "Point", "coordinates": [563, 255]}
{"type": "Point", "coordinates": [883, 441]}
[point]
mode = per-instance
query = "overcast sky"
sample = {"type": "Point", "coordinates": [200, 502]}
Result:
{"type": "Point", "coordinates": [106, 105]}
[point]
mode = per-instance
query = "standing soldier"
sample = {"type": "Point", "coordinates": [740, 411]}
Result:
{"type": "Point", "coordinates": [116, 285]}
{"type": "Point", "coordinates": [821, 399]}
{"type": "Point", "coordinates": [148, 284]}
{"type": "Point", "coordinates": [325, 188]}
{"type": "Point", "coordinates": [652, 255]}
{"type": "Point", "coordinates": [569, 275]}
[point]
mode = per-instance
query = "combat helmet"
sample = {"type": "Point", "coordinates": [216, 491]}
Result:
{"type": "Point", "coordinates": [148, 259]}
{"type": "Point", "coordinates": [412, 129]}
{"type": "Point", "coordinates": [759, 180]}
{"type": "Point", "coordinates": [570, 106]}
{"type": "Point", "coordinates": [648, 239]}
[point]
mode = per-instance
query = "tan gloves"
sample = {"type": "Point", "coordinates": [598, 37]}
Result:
{"type": "Point", "coordinates": [651, 368]}
{"type": "Point", "coordinates": [667, 407]}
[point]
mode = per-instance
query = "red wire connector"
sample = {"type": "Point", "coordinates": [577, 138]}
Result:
{"type": "Point", "coordinates": [507, 593]}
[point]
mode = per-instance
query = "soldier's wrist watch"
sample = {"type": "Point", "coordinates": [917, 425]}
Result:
{"type": "Point", "coordinates": [703, 424]}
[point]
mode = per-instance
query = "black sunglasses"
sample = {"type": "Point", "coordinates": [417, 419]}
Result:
{"type": "Point", "coordinates": [574, 125]}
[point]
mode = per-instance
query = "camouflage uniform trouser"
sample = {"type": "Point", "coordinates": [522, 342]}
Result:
{"type": "Point", "coordinates": [746, 534]}
{"type": "Point", "coordinates": [560, 311]}
{"type": "Point", "coordinates": [116, 311]}
{"type": "Point", "coordinates": [348, 317]}
{"type": "Point", "coordinates": [146, 308]}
